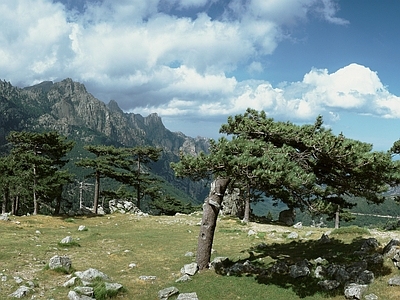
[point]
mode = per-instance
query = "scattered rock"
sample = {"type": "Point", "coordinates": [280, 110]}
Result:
{"type": "Point", "coordinates": [184, 278]}
{"type": "Point", "coordinates": [91, 274]}
{"type": "Point", "coordinates": [72, 295]}
{"type": "Point", "coordinates": [354, 291]}
{"type": "Point", "coordinates": [190, 269]}
{"type": "Point", "coordinates": [298, 225]}
{"type": "Point", "coordinates": [60, 262]}
{"type": "Point", "coordinates": [66, 240]}
{"type": "Point", "coordinates": [4, 217]}
{"type": "Point", "coordinates": [293, 235]}
{"type": "Point", "coordinates": [300, 269]}
{"type": "Point", "coordinates": [187, 296]}
{"type": "Point", "coordinates": [147, 278]}
{"type": "Point", "coordinates": [394, 281]}
{"type": "Point", "coordinates": [70, 282]}
{"type": "Point", "coordinates": [189, 254]}
{"type": "Point", "coordinates": [251, 232]}
{"type": "Point", "coordinates": [329, 285]}
{"type": "Point", "coordinates": [22, 291]}
{"type": "Point", "coordinates": [84, 290]}
{"type": "Point", "coordinates": [132, 265]}
{"type": "Point", "coordinates": [82, 228]}
{"type": "Point", "coordinates": [371, 297]}
{"type": "Point", "coordinates": [167, 292]}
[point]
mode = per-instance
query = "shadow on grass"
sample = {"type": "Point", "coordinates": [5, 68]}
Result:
{"type": "Point", "coordinates": [336, 252]}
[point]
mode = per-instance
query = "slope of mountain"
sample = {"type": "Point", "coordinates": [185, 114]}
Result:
{"type": "Point", "coordinates": [68, 108]}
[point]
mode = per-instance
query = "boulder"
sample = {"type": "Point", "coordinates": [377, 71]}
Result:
{"type": "Point", "coordinates": [22, 291]}
{"type": "Point", "coordinates": [354, 291]}
{"type": "Point", "coordinates": [91, 274]}
{"type": "Point", "coordinates": [300, 269]}
{"type": "Point", "coordinates": [66, 240]}
{"type": "Point", "coordinates": [72, 295]}
{"type": "Point", "coordinates": [329, 284]}
{"type": "Point", "coordinates": [187, 296]}
{"type": "Point", "coordinates": [190, 269]}
{"type": "Point", "coordinates": [394, 281]}
{"type": "Point", "coordinates": [167, 292]}
{"type": "Point", "coordinates": [60, 262]}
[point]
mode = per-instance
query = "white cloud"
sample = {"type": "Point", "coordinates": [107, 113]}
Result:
{"type": "Point", "coordinates": [176, 65]}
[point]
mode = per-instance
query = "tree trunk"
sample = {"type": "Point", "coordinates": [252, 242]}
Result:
{"type": "Point", "coordinates": [15, 206]}
{"type": "Point", "coordinates": [337, 213]}
{"type": "Point", "coordinates": [35, 200]}
{"type": "Point", "coordinates": [5, 201]}
{"type": "Point", "coordinates": [211, 209]}
{"type": "Point", "coordinates": [246, 217]}
{"type": "Point", "coordinates": [96, 193]}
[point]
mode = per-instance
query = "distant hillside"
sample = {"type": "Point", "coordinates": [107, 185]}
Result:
{"type": "Point", "coordinates": [68, 108]}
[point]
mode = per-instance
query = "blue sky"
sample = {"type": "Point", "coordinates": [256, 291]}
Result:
{"type": "Point", "coordinates": [195, 62]}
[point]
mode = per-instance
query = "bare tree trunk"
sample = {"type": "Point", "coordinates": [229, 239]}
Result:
{"type": "Point", "coordinates": [5, 201]}
{"type": "Point", "coordinates": [35, 200]}
{"type": "Point", "coordinates": [337, 214]}
{"type": "Point", "coordinates": [96, 193]}
{"type": "Point", "coordinates": [246, 217]}
{"type": "Point", "coordinates": [15, 206]}
{"type": "Point", "coordinates": [211, 209]}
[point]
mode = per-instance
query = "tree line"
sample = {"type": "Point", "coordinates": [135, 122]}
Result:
{"type": "Point", "coordinates": [33, 175]}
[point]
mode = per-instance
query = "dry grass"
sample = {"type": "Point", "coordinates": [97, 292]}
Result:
{"type": "Point", "coordinates": [157, 245]}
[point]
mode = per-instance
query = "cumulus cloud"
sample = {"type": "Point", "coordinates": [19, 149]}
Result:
{"type": "Point", "coordinates": [173, 57]}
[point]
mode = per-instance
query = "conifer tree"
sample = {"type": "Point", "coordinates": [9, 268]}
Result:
{"type": "Point", "coordinates": [290, 163]}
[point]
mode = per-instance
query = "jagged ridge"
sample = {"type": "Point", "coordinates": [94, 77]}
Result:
{"type": "Point", "coordinates": [68, 108]}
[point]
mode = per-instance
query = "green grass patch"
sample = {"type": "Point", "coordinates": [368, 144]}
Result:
{"type": "Point", "coordinates": [353, 230]}
{"type": "Point", "coordinates": [157, 245]}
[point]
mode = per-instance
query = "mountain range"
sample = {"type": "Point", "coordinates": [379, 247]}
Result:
{"type": "Point", "coordinates": [68, 108]}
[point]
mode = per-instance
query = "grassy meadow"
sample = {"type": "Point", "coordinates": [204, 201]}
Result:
{"type": "Point", "coordinates": [157, 245]}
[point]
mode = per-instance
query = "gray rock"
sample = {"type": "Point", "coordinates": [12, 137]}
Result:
{"type": "Point", "coordinates": [82, 228]}
{"type": "Point", "coordinates": [189, 254]}
{"type": "Point", "coordinates": [190, 269]}
{"type": "Point", "coordinates": [371, 297]}
{"type": "Point", "coordinates": [187, 296]}
{"type": "Point", "coordinates": [113, 286]}
{"type": "Point", "coordinates": [319, 272]}
{"type": "Point", "coordinates": [365, 277]}
{"type": "Point", "coordinates": [72, 295]}
{"type": "Point", "coordinates": [370, 244]}
{"type": "Point", "coordinates": [167, 292]}
{"type": "Point", "coordinates": [132, 265]}
{"type": "Point", "coordinates": [84, 290]}
{"type": "Point", "coordinates": [394, 281]}
{"type": "Point", "coordinates": [60, 262]}
{"type": "Point", "coordinates": [298, 225]}
{"type": "Point", "coordinates": [90, 274]}
{"type": "Point", "coordinates": [147, 278]}
{"type": "Point", "coordinates": [18, 279]}
{"type": "Point", "coordinates": [4, 217]}
{"type": "Point", "coordinates": [391, 247]}
{"type": "Point", "coordinates": [280, 268]}
{"type": "Point", "coordinates": [70, 282]}
{"type": "Point", "coordinates": [251, 232]}
{"type": "Point", "coordinates": [329, 284]}
{"type": "Point", "coordinates": [354, 291]}
{"type": "Point", "coordinates": [22, 291]}
{"type": "Point", "coordinates": [293, 235]}
{"type": "Point", "coordinates": [66, 240]}
{"type": "Point", "coordinates": [184, 278]}
{"type": "Point", "coordinates": [300, 269]}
